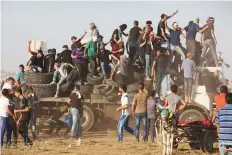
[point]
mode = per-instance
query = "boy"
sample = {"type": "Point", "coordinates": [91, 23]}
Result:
{"type": "Point", "coordinates": [24, 118]}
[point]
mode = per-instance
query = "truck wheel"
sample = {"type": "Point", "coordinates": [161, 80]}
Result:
{"type": "Point", "coordinates": [191, 115]}
{"type": "Point", "coordinates": [194, 146]}
{"type": "Point", "coordinates": [206, 142]}
{"type": "Point", "coordinates": [102, 89]}
{"type": "Point", "coordinates": [112, 83]}
{"type": "Point", "coordinates": [88, 118]}
{"type": "Point", "coordinates": [111, 92]}
{"type": "Point", "coordinates": [38, 78]}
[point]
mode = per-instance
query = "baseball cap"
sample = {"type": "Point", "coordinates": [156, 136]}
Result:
{"type": "Point", "coordinates": [73, 37]}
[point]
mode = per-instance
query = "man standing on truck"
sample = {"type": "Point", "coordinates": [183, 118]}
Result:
{"type": "Point", "coordinates": [188, 66]}
{"type": "Point", "coordinates": [125, 116]}
{"type": "Point", "coordinates": [139, 110]}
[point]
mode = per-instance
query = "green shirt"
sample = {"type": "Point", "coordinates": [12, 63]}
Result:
{"type": "Point", "coordinates": [91, 49]}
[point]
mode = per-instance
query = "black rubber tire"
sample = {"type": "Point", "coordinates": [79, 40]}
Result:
{"type": "Point", "coordinates": [66, 87]}
{"type": "Point", "coordinates": [95, 81]}
{"type": "Point", "coordinates": [132, 87]}
{"type": "Point", "coordinates": [102, 88]}
{"type": "Point", "coordinates": [191, 115]}
{"type": "Point", "coordinates": [43, 90]}
{"type": "Point", "coordinates": [38, 78]}
{"type": "Point", "coordinates": [206, 141]}
{"type": "Point", "coordinates": [138, 77]}
{"type": "Point", "coordinates": [114, 98]}
{"type": "Point", "coordinates": [195, 146]}
{"type": "Point", "coordinates": [86, 89]}
{"type": "Point", "coordinates": [111, 92]}
{"type": "Point", "coordinates": [111, 83]}
{"type": "Point", "coordinates": [88, 118]}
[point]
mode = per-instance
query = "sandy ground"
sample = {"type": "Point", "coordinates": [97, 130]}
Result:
{"type": "Point", "coordinates": [94, 143]}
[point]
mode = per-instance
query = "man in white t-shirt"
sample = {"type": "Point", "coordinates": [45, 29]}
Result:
{"type": "Point", "coordinates": [125, 116]}
{"type": "Point", "coordinates": [4, 111]}
{"type": "Point", "coordinates": [9, 83]}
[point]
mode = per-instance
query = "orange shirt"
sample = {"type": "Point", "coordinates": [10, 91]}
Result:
{"type": "Point", "coordinates": [220, 100]}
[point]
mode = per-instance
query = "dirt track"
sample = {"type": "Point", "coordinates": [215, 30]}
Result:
{"type": "Point", "coordinates": [94, 143]}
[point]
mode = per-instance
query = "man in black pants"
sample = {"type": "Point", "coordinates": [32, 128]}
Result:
{"type": "Point", "coordinates": [11, 124]}
{"type": "Point", "coordinates": [24, 118]}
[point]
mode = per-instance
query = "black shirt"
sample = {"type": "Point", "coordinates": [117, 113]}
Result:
{"type": "Point", "coordinates": [159, 32]}
{"type": "Point", "coordinates": [24, 104]}
{"type": "Point", "coordinates": [36, 61]}
{"type": "Point", "coordinates": [161, 62]}
{"type": "Point", "coordinates": [66, 56]}
{"type": "Point", "coordinates": [104, 56]}
{"type": "Point", "coordinates": [77, 102]}
{"type": "Point", "coordinates": [134, 34]}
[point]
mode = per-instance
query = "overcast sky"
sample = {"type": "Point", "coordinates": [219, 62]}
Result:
{"type": "Point", "coordinates": [56, 22]}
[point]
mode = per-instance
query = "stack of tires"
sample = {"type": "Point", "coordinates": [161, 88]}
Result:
{"type": "Point", "coordinates": [40, 83]}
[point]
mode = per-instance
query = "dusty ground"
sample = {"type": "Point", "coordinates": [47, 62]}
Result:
{"type": "Point", "coordinates": [94, 143]}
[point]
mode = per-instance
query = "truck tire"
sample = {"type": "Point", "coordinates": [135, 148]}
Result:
{"type": "Point", "coordinates": [206, 141]}
{"type": "Point", "coordinates": [102, 88]}
{"type": "Point", "coordinates": [191, 115]}
{"type": "Point", "coordinates": [43, 90]}
{"type": "Point", "coordinates": [88, 118]}
{"type": "Point", "coordinates": [38, 78]}
{"type": "Point", "coordinates": [95, 81]}
{"type": "Point", "coordinates": [112, 83]}
{"type": "Point", "coordinates": [111, 92]}
{"type": "Point", "coordinates": [86, 89]}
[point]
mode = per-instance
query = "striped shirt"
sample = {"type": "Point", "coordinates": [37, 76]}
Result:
{"type": "Point", "coordinates": [224, 119]}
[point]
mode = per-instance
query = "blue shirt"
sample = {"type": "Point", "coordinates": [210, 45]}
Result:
{"type": "Point", "coordinates": [224, 119]}
{"type": "Point", "coordinates": [19, 76]}
{"type": "Point", "coordinates": [192, 30]}
{"type": "Point", "coordinates": [175, 37]}
{"type": "Point", "coordinates": [188, 66]}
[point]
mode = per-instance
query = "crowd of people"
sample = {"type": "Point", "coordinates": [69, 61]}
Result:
{"type": "Point", "coordinates": [157, 54]}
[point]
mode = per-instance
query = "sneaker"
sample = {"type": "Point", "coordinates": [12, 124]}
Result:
{"type": "Point", "coordinates": [53, 83]}
{"type": "Point", "coordinates": [56, 96]}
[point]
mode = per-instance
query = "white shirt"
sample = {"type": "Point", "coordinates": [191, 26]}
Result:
{"type": "Point", "coordinates": [4, 102]}
{"type": "Point", "coordinates": [125, 101]}
{"type": "Point", "coordinates": [63, 71]}
{"type": "Point", "coordinates": [7, 86]}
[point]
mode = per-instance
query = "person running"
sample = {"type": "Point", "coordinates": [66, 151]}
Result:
{"type": "Point", "coordinates": [23, 120]}
{"type": "Point", "coordinates": [139, 110]}
{"type": "Point", "coordinates": [188, 66]}
{"type": "Point", "coordinates": [125, 116]}
{"type": "Point", "coordinates": [4, 112]}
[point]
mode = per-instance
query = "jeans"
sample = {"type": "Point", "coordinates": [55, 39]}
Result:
{"type": "Point", "coordinates": [191, 46]}
{"type": "Point", "coordinates": [11, 127]}
{"type": "Point", "coordinates": [151, 128]}
{"type": "Point", "coordinates": [93, 63]}
{"type": "Point", "coordinates": [148, 64]}
{"type": "Point", "coordinates": [81, 72]}
{"type": "Point", "coordinates": [61, 81]}
{"type": "Point", "coordinates": [209, 43]}
{"type": "Point", "coordinates": [56, 76]}
{"type": "Point", "coordinates": [188, 86]}
{"type": "Point", "coordinates": [35, 69]}
{"type": "Point", "coordinates": [106, 68]}
{"type": "Point", "coordinates": [178, 50]}
{"type": "Point", "coordinates": [222, 145]}
{"type": "Point", "coordinates": [123, 125]}
{"type": "Point", "coordinates": [138, 118]}
{"type": "Point", "coordinates": [75, 131]}
{"type": "Point", "coordinates": [159, 76]}
{"type": "Point", "coordinates": [165, 84]}
{"type": "Point", "coordinates": [154, 80]}
{"type": "Point", "coordinates": [3, 127]}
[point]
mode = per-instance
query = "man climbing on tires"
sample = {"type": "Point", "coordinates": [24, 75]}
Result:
{"type": "Point", "coordinates": [125, 116]}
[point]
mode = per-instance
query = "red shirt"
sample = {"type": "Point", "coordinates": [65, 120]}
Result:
{"type": "Point", "coordinates": [220, 100]}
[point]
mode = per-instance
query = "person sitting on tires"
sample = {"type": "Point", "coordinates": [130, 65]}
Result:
{"type": "Point", "coordinates": [60, 75]}
{"type": "Point", "coordinates": [54, 122]}
{"type": "Point", "coordinates": [91, 53]}
{"type": "Point", "coordinates": [104, 61]}
{"type": "Point", "coordinates": [35, 63]}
